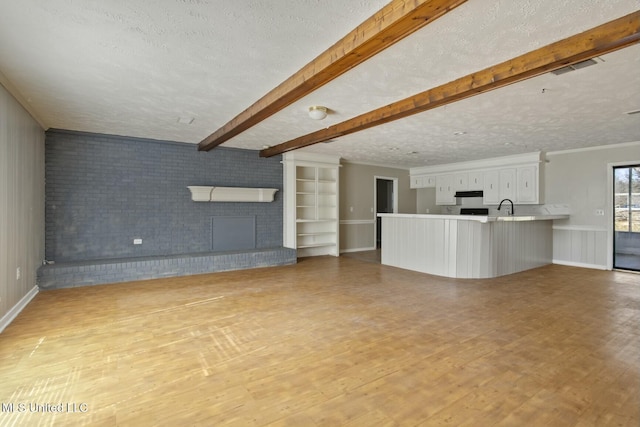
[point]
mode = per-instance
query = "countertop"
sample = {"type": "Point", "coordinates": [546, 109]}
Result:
{"type": "Point", "coordinates": [479, 218]}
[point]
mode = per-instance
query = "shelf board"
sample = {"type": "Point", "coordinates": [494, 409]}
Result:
{"type": "Point", "coordinates": [305, 206]}
{"type": "Point", "coordinates": [306, 193]}
{"type": "Point", "coordinates": [323, 233]}
{"type": "Point", "coordinates": [316, 245]}
{"type": "Point", "coordinates": [317, 220]}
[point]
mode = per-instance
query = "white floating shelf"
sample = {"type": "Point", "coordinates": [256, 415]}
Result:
{"type": "Point", "coordinates": [231, 194]}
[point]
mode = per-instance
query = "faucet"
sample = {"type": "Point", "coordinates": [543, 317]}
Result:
{"type": "Point", "coordinates": [507, 200]}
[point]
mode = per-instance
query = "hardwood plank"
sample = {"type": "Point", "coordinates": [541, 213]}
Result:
{"type": "Point", "coordinates": [389, 25]}
{"type": "Point", "coordinates": [331, 341]}
{"type": "Point", "coordinates": [614, 35]}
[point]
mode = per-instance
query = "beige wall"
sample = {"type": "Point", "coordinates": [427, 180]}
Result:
{"type": "Point", "coordinates": [21, 202]}
{"type": "Point", "coordinates": [357, 192]}
{"type": "Point", "coordinates": [426, 201]}
{"type": "Point", "coordinates": [581, 179]}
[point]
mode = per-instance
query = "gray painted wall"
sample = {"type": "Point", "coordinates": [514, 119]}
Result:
{"type": "Point", "coordinates": [21, 201]}
{"type": "Point", "coordinates": [104, 191]}
{"type": "Point", "coordinates": [580, 179]}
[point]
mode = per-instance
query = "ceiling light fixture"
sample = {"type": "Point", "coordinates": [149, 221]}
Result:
{"type": "Point", "coordinates": [317, 112]}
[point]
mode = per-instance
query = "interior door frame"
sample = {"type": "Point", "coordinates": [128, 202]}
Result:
{"type": "Point", "coordinates": [609, 213]}
{"type": "Point", "coordinates": [375, 203]}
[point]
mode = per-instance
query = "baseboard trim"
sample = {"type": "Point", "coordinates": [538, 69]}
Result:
{"type": "Point", "coordinates": [357, 221]}
{"type": "Point", "coordinates": [579, 264]}
{"type": "Point", "coordinates": [344, 251]}
{"type": "Point", "coordinates": [16, 309]}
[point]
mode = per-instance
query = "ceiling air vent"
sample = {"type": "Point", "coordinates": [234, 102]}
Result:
{"type": "Point", "coordinates": [573, 67]}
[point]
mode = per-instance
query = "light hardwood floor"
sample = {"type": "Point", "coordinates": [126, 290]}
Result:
{"type": "Point", "coordinates": [331, 342]}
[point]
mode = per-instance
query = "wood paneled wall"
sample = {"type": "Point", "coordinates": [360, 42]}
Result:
{"type": "Point", "coordinates": [465, 249]}
{"type": "Point", "coordinates": [21, 203]}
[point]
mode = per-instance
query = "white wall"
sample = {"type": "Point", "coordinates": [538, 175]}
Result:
{"type": "Point", "coordinates": [579, 178]}
{"type": "Point", "coordinates": [21, 205]}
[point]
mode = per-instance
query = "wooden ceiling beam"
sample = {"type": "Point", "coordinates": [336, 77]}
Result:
{"type": "Point", "coordinates": [389, 25]}
{"type": "Point", "coordinates": [605, 38]}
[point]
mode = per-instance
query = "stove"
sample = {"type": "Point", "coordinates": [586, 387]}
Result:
{"type": "Point", "coordinates": [474, 211]}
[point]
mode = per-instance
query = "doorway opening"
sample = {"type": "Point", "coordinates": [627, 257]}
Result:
{"type": "Point", "coordinates": [626, 217]}
{"type": "Point", "coordinates": [385, 200]}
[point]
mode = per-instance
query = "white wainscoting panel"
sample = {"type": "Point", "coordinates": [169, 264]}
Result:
{"type": "Point", "coordinates": [465, 249]}
{"type": "Point", "coordinates": [580, 246]}
{"type": "Point", "coordinates": [520, 246]}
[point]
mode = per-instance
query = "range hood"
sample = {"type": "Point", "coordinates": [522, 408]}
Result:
{"type": "Point", "coordinates": [477, 193]}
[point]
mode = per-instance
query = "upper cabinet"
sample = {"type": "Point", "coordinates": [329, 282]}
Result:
{"type": "Point", "coordinates": [476, 180]}
{"type": "Point", "coordinates": [519, 185]}
{"type": "Point", "coordinates": [429, 181]}
{"type": "Point", "coordinates": [491, 187]}
{"type": "Point", "coordinates": [508, 184]}
{"type": "Point", "coordinates": [445, 190]}
{"type": "Point", "coordinates": [527, 184]}
{"type": "Point", "coordinates": [415, 181]}
{"type": "Point", "coordinates": [461, 181]}
{"type": "Point", "coordinates": [514, 177]}
{"type": "Point", "coordinates": [422, 181]}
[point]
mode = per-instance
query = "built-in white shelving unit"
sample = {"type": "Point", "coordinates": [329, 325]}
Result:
{"type": "Point", "coordinates": [311, 215]}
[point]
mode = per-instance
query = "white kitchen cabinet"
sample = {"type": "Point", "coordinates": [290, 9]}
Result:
{"type": "Point", "coordinates": [422, 181]}
{"type": "Point", "coordinates": [508, 184]}
{"type": "Point", "coordinates": [461, 181]}
{"type": "Point", "coordinates": [445, 190]}
{"type": "Point", "coordinates": [429, 181]}
{"type": "Point", "coordinates": [527, 184]}
{"type": "Point", "coordinates": [491, 187]}
{"type": "Point", "coordinates": [415, 181]}
{"type": "Point", "coordinates": [518, 177]}
{"type": "Point", "coordinates": [476, 180]}
{"type": "Point", "coordinates": [517, 184]}
{"type": "Point", "coordinates": [311, 212]}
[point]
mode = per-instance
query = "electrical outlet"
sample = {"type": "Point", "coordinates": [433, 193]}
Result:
{"type": "Point", "coordinates": [137, 241]}
{"type": "Point", "coordinates": [18, 273]}
{"type": "Point", "coordinates": [599, 212]}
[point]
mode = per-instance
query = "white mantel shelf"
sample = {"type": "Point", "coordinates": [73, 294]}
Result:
{"type": "Point", "coordinates": [231, 194]}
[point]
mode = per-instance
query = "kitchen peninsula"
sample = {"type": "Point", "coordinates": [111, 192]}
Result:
{"type": "Point", "coordinates": [467, 246]}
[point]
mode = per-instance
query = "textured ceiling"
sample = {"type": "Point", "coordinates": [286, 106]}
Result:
{"type": "Point", "coordinates": [134, 67]}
